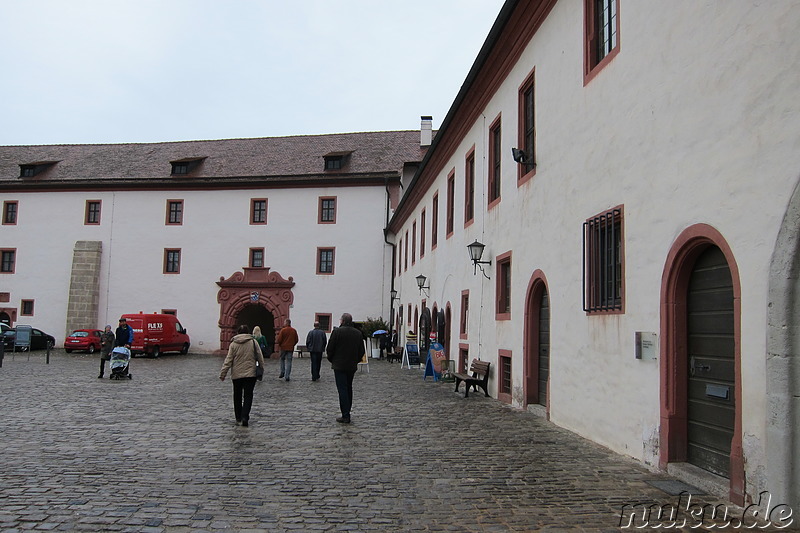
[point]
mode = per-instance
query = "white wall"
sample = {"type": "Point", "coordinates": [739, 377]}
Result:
{"type": "Point", "coordinates": [695, 121]}
{"type": "Point", "coordinates": [214, 239]}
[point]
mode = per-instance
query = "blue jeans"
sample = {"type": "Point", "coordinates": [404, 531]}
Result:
{"type": "Point", "coordinates": [344, 384]}
{"type": "Point", "coordinates": [286, 363]}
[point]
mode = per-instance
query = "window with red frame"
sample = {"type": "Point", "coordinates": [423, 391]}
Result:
{"type": "Point", "coordinates": [92, 216]}
{"type": "Point", "coordinates": [258, 211]}
{"type": "Point", "coordinates": [414, 242]}
{"type": "Point", "coordinates": [469, 188]}
{"type": "Point", "coordinates": [422, 234]}
{"type": "Point", "coordinates": [10, 212]}
{"type": "Point", "coordinates": [451, 197]}
{"type": "Point", "coordinates": [503, 310]}
{"type": "Point", "coordinates": [174, 212]}
{"type": "Point", "coordinates": [601, 39]}
{"type": "Point", "coordinates": [172, 261]}
{"type": "Point", "coordinates": [435, 221]}
{"type": "Point", "coordinates": [495, 150]}
{"type": "Point", "coordinates": [464, 321]}
{"type": "Point", "coordinates": [527, 126]}
{"type": "Point", "coordinates": [8, 260]}
{"type": "Point", "coordinates": [26, 309]}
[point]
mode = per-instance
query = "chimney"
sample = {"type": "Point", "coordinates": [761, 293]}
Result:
{"type": "Point", "coordinates": [426, 131]}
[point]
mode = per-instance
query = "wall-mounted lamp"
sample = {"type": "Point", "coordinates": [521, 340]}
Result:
{"type": "Point", "coordinates": [393, 294]}
{"type": "Point", "coordinates": [421, 284]}
{"type": "Point", "coordinates": [475, 253]}
{"type": "Point", "coordinates": [522, 158]}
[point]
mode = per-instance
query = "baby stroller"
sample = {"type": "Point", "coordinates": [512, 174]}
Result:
{"type": "Point", "coordinates": [120, 357]}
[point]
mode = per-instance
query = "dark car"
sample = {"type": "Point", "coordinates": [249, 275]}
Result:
{"type": "Point", "coordinates": [39, 339]}
{"type": "Point", "coordinates": [83, 339]}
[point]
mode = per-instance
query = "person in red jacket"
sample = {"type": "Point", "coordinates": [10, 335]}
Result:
{"type": "Point", "coordinates": [286, 340]}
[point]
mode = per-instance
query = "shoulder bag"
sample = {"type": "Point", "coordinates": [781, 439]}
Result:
{"type": "Point", "coordinates": [259, 368]}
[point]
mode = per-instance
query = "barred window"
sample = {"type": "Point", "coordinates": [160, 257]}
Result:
{"type": "Point", "coordinates": [603, 262]}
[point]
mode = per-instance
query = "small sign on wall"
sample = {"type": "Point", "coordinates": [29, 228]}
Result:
{"type": "Point", "coordinates": [646, 345]}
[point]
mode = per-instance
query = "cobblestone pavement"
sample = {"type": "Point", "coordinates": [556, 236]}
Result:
{"type": "Point", "coordinates": [161, 452]}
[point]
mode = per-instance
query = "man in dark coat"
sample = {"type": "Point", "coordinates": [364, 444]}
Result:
{"type": "Point", "coordinates": [345, 350]}
{"type": "Point", "coordinates": [124, 334]}
{"type": "Point", "coordinates": [316, 341]}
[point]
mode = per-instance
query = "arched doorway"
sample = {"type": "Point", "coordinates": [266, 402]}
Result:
{"type": "Point", "coordinates": [537, 342]}
{"type": "Point", "coordinates": [5, 317]}
{"type": "Point", "coordinates": [253, 295]}
{"type": "Point", "coordinates": [700, 365]}
{"type": "Point", "coordinates": [258, 315]}
{"type": "Point", "coordinates": [445, 331]}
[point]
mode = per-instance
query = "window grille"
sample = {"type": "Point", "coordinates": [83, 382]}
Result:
{"type": "Point", "coordinates": [602, 252]}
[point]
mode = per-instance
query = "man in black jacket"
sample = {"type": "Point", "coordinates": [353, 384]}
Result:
{"type": "Point", "coordinates": [345, 350]}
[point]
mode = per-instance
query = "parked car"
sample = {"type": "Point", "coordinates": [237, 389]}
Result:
{"type": "Point", "coordinates": [83, 339]}
{"type": "Point", "coordinates": [39, 339]}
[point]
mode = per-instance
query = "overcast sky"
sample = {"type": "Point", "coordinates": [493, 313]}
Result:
{"type": "Point", "coordinates": [110, 71]}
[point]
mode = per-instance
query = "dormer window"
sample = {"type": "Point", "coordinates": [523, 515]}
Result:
{"type": "Point", "coordinates": [29, 170]}
{"type": "Point", "coordinates": [181, 167]}
{"type": "Point", "coordinates": [336, 160]}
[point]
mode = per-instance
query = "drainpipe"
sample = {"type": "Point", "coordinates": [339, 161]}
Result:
{"type": "Point", "coordinates": [394, 247]}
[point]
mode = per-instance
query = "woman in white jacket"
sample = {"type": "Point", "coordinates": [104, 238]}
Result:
{"type": "Point", "coordinates": [241, 361]}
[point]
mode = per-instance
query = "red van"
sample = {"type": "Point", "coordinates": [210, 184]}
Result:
{"type": "Point", "coordinates": [154, 334]}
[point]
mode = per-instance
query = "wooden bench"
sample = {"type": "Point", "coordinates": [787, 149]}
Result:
{"type": "Point", "coordinates": [479, 377]}
{"type": "Point", "coordinates": [394, 355]}
{"type": "Point", "coordinates": [301, 349]}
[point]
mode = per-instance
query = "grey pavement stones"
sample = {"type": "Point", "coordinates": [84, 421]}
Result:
{"type": "Point", "coordinates": [161, 453]}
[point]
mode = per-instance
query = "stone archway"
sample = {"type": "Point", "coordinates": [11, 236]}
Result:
{"type": "Point", "coordinates": [674, 351]}
{"type": "Point", "coordinates": [253, 286]}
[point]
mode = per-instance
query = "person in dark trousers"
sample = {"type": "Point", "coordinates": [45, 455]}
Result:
{"type": "Point", "coordinates": [124, 334]}
{"type": "Point", "coordinates": [107, 341]}
{"type": "Point", "coordinates": [287, 338]}
{"type": "Point", "coordinates": [241, 361]}
{"type": "Point", "coordinates": [316, 341]}
{"type": "Point", "coordinates": [345, 350]}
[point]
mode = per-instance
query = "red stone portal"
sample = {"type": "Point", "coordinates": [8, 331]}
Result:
{"type": "Point", "coordinates": [254, 286]}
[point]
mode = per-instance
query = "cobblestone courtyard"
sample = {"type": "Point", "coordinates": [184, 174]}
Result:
{"type": "Point", "coordinates": [161, 452]}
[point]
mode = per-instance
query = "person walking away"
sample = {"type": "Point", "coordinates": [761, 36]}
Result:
{"type": "Point", "coordinates": [345, 350]}
{"type": "Point", "coordinates": [316, 341]}
{"type": "Point", "coordinates": [107, 341]}
{"type": "Point", "coordinates": [286, 341]}
{"type": "Point", "coordinates": [124, 334]}
{"type": "Point", "coordinates": [261, 340]}
{"type": "Point", "coordinates": [241, 361]}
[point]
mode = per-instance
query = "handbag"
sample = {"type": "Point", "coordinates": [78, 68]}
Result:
{"type": "Point", "coordinates": [259, 368]}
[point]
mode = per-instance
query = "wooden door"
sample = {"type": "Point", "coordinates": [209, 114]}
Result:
{"type": "Point", "coordinates": [711, 387]}
{"type": "Point", "coordinates": [544, 346]}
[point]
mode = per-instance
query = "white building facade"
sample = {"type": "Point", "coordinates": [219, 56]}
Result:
{"type": "Point", "coordinates": [220, 233]}
{"type": "Point", "coordinates": [643, 239]}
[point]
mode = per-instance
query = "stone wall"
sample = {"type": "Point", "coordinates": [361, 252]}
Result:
{"type": "Point", "coordinates": [84, 286]}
